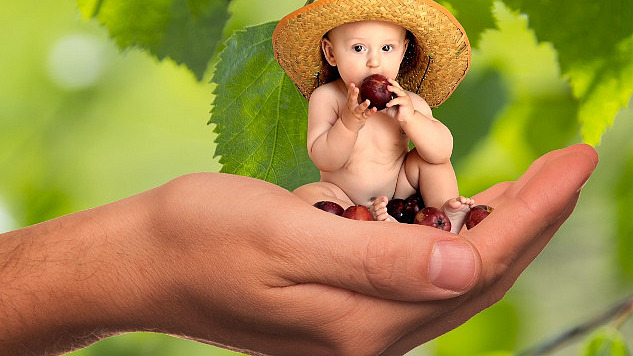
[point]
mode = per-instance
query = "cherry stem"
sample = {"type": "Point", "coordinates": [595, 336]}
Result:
{"type": "Point", "coordinates": [619, 314]}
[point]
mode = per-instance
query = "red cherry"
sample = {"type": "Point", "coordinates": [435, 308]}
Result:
{"type": "Point", "coordinates": [476, 214]}
{"type": "Point", "coordinates": [330, 207]}
{"type": "Point", "coordinates": [375, 89]}
{"type": "Point", "coordinates": [397, 208]}
{"type": "Point", "coordinates": [433, 217]}
{"type": "Point", "coordinates": [358, 212]}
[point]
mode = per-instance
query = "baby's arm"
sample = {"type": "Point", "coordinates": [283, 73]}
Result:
{"type": "Point", "coordinates": [333, 125]}
{"type": "Point", "coordinates": [432, 139]}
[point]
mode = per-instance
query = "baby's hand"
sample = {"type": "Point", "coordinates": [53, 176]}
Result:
{"type": "Point", "coordinates": [356, 114]}
{"type": "Point", "coordinates": [402, 105]}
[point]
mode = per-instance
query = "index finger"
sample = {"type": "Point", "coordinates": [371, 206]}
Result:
{"type": "Point", "coordinates": [352, 95]}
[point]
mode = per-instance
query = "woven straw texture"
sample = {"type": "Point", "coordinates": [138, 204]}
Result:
{"type": "Point", "coordinates": [433, 67]}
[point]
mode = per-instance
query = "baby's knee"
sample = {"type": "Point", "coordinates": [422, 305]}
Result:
{"type": "Point", "coordinates": [413, 157]}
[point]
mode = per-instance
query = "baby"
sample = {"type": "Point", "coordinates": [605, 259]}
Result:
{"type": "Point", "coordinates": [363, 154]}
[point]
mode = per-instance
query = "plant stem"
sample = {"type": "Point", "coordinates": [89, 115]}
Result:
{"type": "Point", "coordinates": [308, 2]}
{"type": "Point", "coordinates": [619, 313]}
{"type": "Point", "coordinates": [625, 313]}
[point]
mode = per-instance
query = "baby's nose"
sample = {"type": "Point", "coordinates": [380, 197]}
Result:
{"type": "Point", "coordinates": [373, 60]}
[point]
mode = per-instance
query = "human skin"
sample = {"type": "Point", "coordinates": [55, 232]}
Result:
{"type": "Point", "coordinates": [246, 265]}
{"type": "Point", "coordinates": [363, 154]}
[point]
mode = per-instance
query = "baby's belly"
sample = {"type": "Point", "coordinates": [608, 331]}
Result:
{"type": "Point", "coordinates": [363, 185]}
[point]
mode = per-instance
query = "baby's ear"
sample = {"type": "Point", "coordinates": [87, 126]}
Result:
{"type": "Point", "coordinates": [328, 51]}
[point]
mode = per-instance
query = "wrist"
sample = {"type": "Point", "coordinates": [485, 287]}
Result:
{"type": "Point", "coordinates": [76, 279]}
{"type": "Point", "coordinates": [406, 117]}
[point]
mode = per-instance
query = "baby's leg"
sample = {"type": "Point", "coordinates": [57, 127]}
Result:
{"type": "Point", "coordinates": [456, 210]}
{"type": "Point", "coordinates": [438, 187]}
{"type": "Point", "coordinates": [403, 190]}
{"type": "Point", "coordinates": [319, 191]}
{"type": "Point", "coordinates": [436, 182]}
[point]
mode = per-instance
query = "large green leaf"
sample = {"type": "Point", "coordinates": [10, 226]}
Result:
{"type": "Point", "coordinates": [186, 31]}
{"type": "Point", "coordinates": [594, 41]}
{"type": "Point", "coordinates": [260, 115]}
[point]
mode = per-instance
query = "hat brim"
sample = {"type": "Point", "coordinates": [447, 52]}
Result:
{"type": "Point", "coordinates": [442, 50]}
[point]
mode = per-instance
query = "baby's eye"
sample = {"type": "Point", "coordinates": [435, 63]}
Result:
{"type": "Point", "coordinates": [387, 48]}
{"type": "Point", "coordinates": [358, 48]}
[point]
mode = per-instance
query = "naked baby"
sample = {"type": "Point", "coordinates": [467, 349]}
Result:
{"type": "Point", "coordinates": [363, 154]}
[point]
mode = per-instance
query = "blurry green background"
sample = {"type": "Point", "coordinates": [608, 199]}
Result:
{"type": "Point", "coordinates": [83, 124]}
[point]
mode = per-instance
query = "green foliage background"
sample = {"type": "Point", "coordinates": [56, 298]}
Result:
{"type": "Point", "coordinates": [103, 99]}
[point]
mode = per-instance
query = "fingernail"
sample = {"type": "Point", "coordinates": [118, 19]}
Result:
{"type": "Point", "coordinates": [452, 265]}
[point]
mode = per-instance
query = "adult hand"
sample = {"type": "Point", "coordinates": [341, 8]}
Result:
{"type": "Point", "coordinates": [246, 265]}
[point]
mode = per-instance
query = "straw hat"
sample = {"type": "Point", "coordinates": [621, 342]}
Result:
{"type": "Point", "coordinates": [433, 66]}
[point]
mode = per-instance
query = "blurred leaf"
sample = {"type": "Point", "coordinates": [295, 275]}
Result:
{"type": "Point", "coordinates": [138, 125]}
{"type": "Point", "coordinates": [549, 123]}
{"type": "Point", "coordinates": [260, 115]}
{"type": "Point", "coordinates": [606, 342]}
{"type": "Point", "coordinates": [594, 41]}
{"type": "Point", "coordinates": [187, 31]}
{"type": "Point", "coordinates": [624, 196]}
{"type": "Point", "coordinates": [517, 82]}
{"type": "Point", "coordinates": [579, 29]}
{"type": "Point", "coordinates": [472, 109]}
{"type": "Point", "coordinates": [474, 15]}
{"type": "Point", "coordinates": [495, 329]}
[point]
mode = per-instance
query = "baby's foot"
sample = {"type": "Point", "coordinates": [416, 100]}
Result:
{"type": "Point", "coordinates": [456, 210]}
{"type": "Point", "coordinates": [378, 209]}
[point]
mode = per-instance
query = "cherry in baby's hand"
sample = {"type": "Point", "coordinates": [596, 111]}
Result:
{"type": "Point", "coordinates": [374, 88]}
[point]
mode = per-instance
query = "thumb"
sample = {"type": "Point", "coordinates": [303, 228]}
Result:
{"type": "Point", "coordinates": [387, 260]}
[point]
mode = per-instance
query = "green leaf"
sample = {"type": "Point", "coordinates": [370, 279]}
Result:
{"type": "Point", "coordinates": [475, 15]}
{"type": "Point", "coordinates": [471, 110]}
{"type": "Point", "coordinates": [512, 107]}
{"type": "Point", "coordinates": [260, 115]}
{"type": "Point", "coordinates": [594, 41]}
{"type": "Point", "coordinates": [187, 31]}
{"type": "Point", "coordinates": [606, 342]}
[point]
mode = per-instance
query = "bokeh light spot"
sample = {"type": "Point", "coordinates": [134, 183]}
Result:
{"type": "Point", "coordinates": [77, 61]}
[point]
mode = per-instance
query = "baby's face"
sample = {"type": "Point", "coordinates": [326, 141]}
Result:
{"type": "Point", "coordinates": [359, 49]}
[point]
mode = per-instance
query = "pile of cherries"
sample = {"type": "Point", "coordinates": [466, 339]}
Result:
{"type": "Point", "coordinates": [409, 211]}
